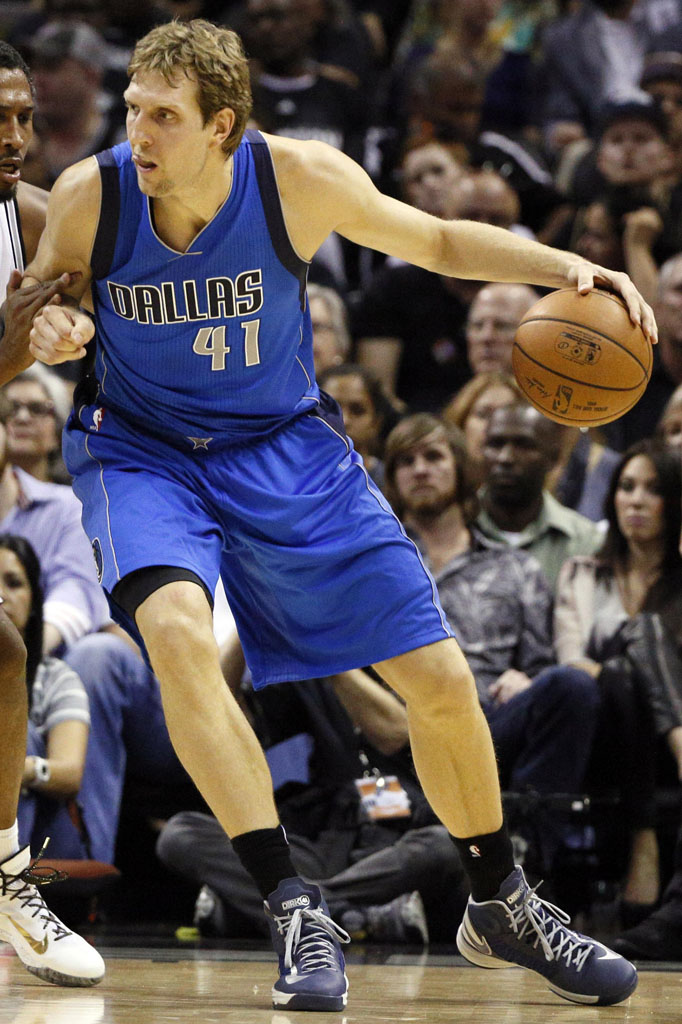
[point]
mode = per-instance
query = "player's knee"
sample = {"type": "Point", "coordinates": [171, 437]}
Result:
{"type": "Point", "coordinates": [452, 691]}
{"type": "Point", "coordinates": [174, 625]}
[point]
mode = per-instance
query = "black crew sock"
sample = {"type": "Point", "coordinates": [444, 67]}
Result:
{"type": "Point", "coordinates": [487, 860]}
{"type": "Point", "coordinates": [266, 855]}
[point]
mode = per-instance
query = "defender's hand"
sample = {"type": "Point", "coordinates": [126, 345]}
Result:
{"type": "Point", "coordinates": [20, 308]}
{"type": "Point", "coordinates": [60, 334]}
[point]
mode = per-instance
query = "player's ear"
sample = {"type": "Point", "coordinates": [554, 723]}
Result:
{"type": "Point", "coordinates": [223, 123]}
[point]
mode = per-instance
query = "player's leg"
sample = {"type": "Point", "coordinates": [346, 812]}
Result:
{"type": "Point", "coordinates": [13, 726]}
{"type": "Point", "coordinates": [209, 731]}
{"type": "Point", "coordinates": [505, 922]}
{"type": "Point", "coordinates": [219, 749]}
{"type": "Point", "coordinates": [44, 945]}
{"type": "Point", "coordinates": [451, 744]}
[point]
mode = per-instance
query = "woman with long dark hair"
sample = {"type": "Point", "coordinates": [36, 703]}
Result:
{"type": "Point", "coordinates": [618, 617]}
{"type": "Point", "coordinates": [59, 720]}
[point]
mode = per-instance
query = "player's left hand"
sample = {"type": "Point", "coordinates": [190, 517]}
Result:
{"type": "Point", "coordinates": [586, 276]}
{"type": "Point", "coordinates": [508, 685]}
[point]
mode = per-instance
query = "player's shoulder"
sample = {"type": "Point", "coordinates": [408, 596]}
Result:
{"type": "Point", "coordinates": [77, 193]}
{"type": "Point", "coordinates": [84, 174]}
{"type": "Point", "coordinates": [300, 162]}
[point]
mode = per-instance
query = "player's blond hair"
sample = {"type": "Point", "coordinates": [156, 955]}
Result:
{"type": "Point", "coordinates": [208, 54]}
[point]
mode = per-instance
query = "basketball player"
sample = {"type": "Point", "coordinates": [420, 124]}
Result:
{"type": "Point", "coordinates": [44, 944]}
{"type": "Point", "coordinates": [202, 447]}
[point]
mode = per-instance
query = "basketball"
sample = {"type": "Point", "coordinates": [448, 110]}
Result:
{"type": "Point", "coordinates": [579, 359]}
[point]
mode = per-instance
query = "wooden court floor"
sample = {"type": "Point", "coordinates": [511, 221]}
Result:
{"type": "Point", "coordinates": [162, 986]}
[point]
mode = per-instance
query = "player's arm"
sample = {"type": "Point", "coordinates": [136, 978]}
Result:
{"type": "Point", "coordinates": [323, 190]}
{"type": "Point", "coordinates": [61, 331]}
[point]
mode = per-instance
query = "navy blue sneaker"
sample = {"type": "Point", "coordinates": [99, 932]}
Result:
{"type": "Point", "coordinates": [311, 965]}
{"type": "Point", "coordinates": [517, 928]}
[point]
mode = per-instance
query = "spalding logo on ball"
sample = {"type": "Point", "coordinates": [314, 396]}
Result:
{"type": "Point", "coordinates": [579, 359]}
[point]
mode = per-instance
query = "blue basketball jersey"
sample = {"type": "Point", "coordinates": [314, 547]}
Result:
{"type": "Point", "coordinates": [209, 345]}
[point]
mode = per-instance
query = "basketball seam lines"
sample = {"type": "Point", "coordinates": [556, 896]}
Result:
{"type": "Point", "coordinates": [572, 323]}
{"type": "Point", "coordinates": [576, 380]}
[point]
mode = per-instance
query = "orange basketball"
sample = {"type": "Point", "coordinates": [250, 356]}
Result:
{"type": "Point", "coordinates": [579, 359]}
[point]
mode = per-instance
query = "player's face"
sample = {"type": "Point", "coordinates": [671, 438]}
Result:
{"type": "Point", "coordinates": [31, 425]}
{"type": "Point", "coordinates": [16, 128]}
{"type": "Point", "coordinates": [426, 477]}
{"type": "Point", "coordinates": [15, 589]}
{"type": "Point", "coordinates": [476, 423]}
{"type": "Point", "coordinates": [359, 414]}
{"type": "Point", "coordinates": [638, 502]}
{"type": "Point", "coordinates": [170, 143]}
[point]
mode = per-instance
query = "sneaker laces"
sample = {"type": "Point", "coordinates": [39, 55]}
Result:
{"type": "Point", "coordinates": [548, 922]}
{"type": "Point", "coordinates": [312, 948]}
{"type": "Point", "coordinates": [22, 887]}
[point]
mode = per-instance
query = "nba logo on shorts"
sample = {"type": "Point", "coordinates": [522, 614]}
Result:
{"type": "Point", "coordinates": [99, 561]}
{"type": "Point", "coordinates": [97, 417]}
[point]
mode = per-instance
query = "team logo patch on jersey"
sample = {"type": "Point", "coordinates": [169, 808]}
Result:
{"type": "Point", "coordinates": [99, 560]}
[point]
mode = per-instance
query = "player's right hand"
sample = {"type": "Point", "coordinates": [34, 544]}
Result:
{"type": "Point", "coordinates": [60, 333]}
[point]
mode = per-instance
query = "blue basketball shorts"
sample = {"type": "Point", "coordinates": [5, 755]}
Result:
{"type": "Point", "coordinates": [319, 573]}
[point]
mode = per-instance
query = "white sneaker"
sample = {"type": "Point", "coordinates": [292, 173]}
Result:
{"type": "Point", "coordinates": [45, 946]}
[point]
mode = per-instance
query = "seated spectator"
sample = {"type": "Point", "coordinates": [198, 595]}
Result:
{"type": "Point", "coordinates": [662, 81]}
{"type": "Point", "coordinates": [493, 318]}
{"type": "Point", "coordinates": [581, 476]}
{"type": "Point", "coordinates": [293, 94]}
{"type": "Point", "coordinates": [630, 167]}
{"type": "Point", "coordinates": [473, 405]}
{"type": "Point", "coordinates": [605, 608]}
{"type": "Point", "coordinates": [619, 233]}
{"type": "Point", "coordinates": [669, 429]}
{"type": "Point", "coordinates": [58, 714]}
{"type": "Point", "coordinates": [591, 56]}
{"type": "Point", "coordinates": [409, 327]}
{"type": "Point", "coordinates": [49, 516]}
{"type": "Point", "coordinates": [521, 447]}
{"type": "Point", "coordinates": [367, 413]}
{"type": "Point", "coordinates": [331, 337]}
{"type": "Point", "coordinates": [446, 105]}
{"type": "Point", "coordinates": [39, 406]}
{"type": "Point", "coordinates": [666, 373]}
{"type": "Point", "coordinates": [372, 865]}
{"type": "Point", "coordinates": [499, 605]}
{"type": "Point", "coordinates": [429, 173]}
{"type": "Point", "coordinates": [487, 197]}
{"type": "Point", "coordinates": [74, 116]}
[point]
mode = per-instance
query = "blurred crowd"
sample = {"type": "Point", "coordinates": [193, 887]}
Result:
{"type": "Point", "coordinates": [556, 553]}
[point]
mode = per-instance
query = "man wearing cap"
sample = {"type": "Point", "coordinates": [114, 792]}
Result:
{"type": "Point", "coordinates": [75, 117]}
